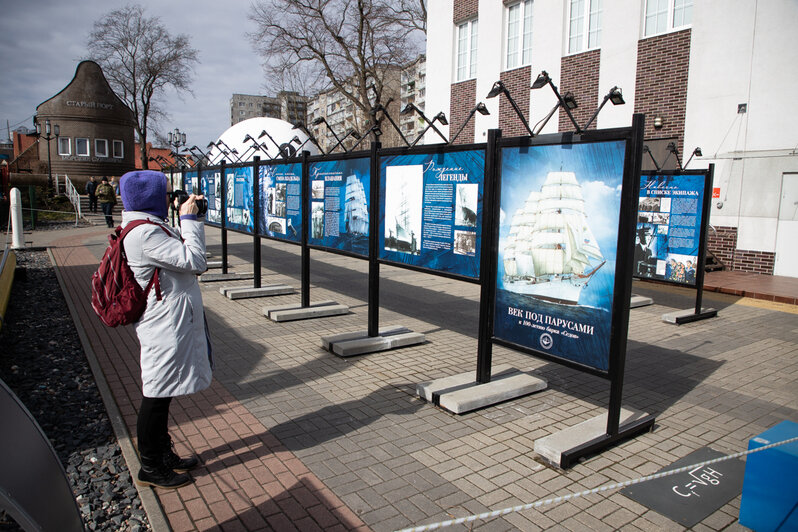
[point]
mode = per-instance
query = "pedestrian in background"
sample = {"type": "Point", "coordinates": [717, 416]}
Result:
{"type": "Point", "coordinates": [175, 345]}
{"type": "Point", "coordinates": [91, 189]}
{"type": "Point", "coordinates": [107, 198]}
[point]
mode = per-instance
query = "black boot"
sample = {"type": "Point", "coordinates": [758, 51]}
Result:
{"type": "Point", "coordinates": [173, 461]}
{"type": "Point", "coordinates": [153, 472]}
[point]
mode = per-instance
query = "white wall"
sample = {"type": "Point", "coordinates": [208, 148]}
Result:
{"type": "Point", "coordinates": [619, 35]}
{"type": "Point", "coordinates": [440, 54]}
{"type": "Point", "coordinates": [744, 52]}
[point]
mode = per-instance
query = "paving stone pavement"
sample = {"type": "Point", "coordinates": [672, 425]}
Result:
{"type": "Point", "coordinates": [293, 437]}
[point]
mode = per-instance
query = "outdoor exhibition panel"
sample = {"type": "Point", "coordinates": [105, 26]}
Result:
{"type": "Point", "coordinates": [191, 182]}
{"type": "Point", "coordinates": [339, 204]}
{"type": "Point", "coordinates": [280, 190]}
{"type": "Point", "coordinates": [211, 187]}
{"type": "Point", "coordinates": [431, 207]}
{"type": "Point", "coordinates": [239, 198]}
{"type": "Point", "coordinates": [562, 240]}
{"type": "Point", "coordinates": [670, 219]}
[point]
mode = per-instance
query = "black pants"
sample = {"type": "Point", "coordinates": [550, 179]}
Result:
{"type": "Point", "coordinates": [108, 210]}
{"type": "Point", "coordinates": [93, 202]}
{"type": "Point", "coordinates": [152, 427]}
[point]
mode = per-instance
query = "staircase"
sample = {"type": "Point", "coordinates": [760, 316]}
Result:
{"type": "Point", "coordinates": [98, 218]}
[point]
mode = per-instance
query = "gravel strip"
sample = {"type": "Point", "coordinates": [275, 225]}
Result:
{"type": "Point", "coordinates": [43, 362]}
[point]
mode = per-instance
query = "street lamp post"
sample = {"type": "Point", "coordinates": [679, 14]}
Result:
{"type": "Point", "coordinates": [55, 130]}
{"type": "Point", "coordinates": [176, 139]}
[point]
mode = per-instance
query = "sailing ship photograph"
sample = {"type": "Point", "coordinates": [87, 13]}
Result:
{"type": "Point", "coordinates": [550, 252]}
{"type": "Point", "coordinates": [403, 201]}
{"type": "Point", "coordinates": [356, 211]}
{"type": "Point", "coordinates": [339, 204]}
{"type": "Point", "coordinates": [558, 241]}
{"type": "Point", "coordinates": [466, 204]}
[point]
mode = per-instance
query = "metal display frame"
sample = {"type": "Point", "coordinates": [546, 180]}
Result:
{"type": "Point", "coordinates": [699, 313]}
{"type": "Point", "coordinates": [623, 280]}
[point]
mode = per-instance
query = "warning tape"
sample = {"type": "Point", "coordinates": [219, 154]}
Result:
{"type": "Point", "coordinates": [555, 500]}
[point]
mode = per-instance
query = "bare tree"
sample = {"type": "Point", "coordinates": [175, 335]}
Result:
{"type": "Point", "coordinates": [140, 59]}
{"type": "Point", "coordinates": [346, 45]}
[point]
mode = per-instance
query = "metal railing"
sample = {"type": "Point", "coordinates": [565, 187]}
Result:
{"type": "Point", "coordinates": [71, 193]}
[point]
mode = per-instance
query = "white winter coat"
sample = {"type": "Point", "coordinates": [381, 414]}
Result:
{"type": "Point", "coordinates": [175, 348]}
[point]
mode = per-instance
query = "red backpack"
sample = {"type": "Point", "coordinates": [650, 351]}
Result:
{"type": "Point", "coordinates": [116, 296]}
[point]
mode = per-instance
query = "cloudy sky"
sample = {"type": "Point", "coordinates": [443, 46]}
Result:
{"type": "Point", "coordinates": [42, 42]}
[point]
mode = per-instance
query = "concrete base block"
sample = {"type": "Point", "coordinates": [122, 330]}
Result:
{"type": "Point", "coordinates": [319, 309]}
{"type": "Point", "coordinates": [686, 316]}
{"type": "Point", "coordinates": [213, 264]}
{"type": "Point", "coordinates": [360, 343]}
{"type": "Point", "coordinates": [211, 277]}
{"type": "Point", "coordinates": [243, 292]}
{"type": "Point", "coordinates": [640, 301]}
{"type": "Point", "coordinates": [552, 447]}
{"type": "Point", "coordinates": [460, 393]}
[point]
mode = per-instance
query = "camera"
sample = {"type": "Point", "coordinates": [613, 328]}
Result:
{"type": "Point", "coordinates": [182, 196]}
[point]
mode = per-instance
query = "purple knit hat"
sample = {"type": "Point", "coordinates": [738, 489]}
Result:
{"type": "Point", "coordinates": [144, 191]}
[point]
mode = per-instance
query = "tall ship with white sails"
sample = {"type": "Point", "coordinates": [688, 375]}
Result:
{"type": "Point", "coordinates": [356, 213]}
{"type": "Point", "coordinates": [551, 253]}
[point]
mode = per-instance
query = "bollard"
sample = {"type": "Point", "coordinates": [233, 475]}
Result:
{"type": "Point", "coordinates": [18, 235]}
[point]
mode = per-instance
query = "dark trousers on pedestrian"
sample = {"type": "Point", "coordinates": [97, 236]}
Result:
{"type": "Point", "coordinates": [152, 427]}
{"type": "Point", "coordinates": [108, 211]}
{"type": "Point", "coordinates": [93, 202]}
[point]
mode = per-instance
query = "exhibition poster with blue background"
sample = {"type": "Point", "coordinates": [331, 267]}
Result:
{"type": "Point", "coordinates": [281, 201]}
{"type": "Point", "coordinates": [210, 184]}
{"type": "Point", "coordinates": [191, 182]}
{"type": "Point", "coordinates": [431, 210]}
{"type": "Point", "coordinates": [339, 205]}
{"type": "Point", "coordinates": [669, 221]}
{"type": "Point", "coordinates": [558, 242]}
{"type": "Point", "coordinates": [239, 196]}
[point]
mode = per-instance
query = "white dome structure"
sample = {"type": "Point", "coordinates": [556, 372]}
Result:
{"type": "Point", "coordinates": [260, 137]}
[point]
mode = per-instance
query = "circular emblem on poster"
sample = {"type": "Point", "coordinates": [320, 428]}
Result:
{"type": "Point", "coordinates": [546, 341]}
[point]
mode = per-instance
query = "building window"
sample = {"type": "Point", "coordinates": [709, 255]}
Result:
{"type": "Point", "coordinates": [667, 15]}
{"type": "Point", "coordinates": [100, 148]}
{"type": "Point", "coordinates": [119, 149]}
{"type": "Point", "coordinates": [64, 146]}
{"type": "Point", "coordinates": [82, 147]}
{"type": "Point", "coordinates": [519, 34]}
{"type": "Point", "coordinates": [467, 50]}
{"type": "Point", "coordinates": [241, 104]}
{"type": "Point", "coordinates": [584, 26]}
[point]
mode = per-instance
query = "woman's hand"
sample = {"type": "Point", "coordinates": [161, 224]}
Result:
{"type": "Point", "coordinates": [190, 205]}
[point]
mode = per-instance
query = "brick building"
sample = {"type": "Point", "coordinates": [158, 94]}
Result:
{"type": "Point", "coordinates": [287, 105]}
{"type": "Point", "coordinates": [719, 75]}
{"type": "Point", "coordinates": [95, 128]}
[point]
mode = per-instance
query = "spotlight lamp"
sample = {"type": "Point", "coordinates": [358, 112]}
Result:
{"type": "Point", "coordinates": [300, 126]}
{"type": "Point", "coordinates": [696, 151]}
{"type": "Point", "coordinates": [672, 150]}
{"type": "Point", "coordinates": [658, 122]}
{"type": "Point", "coordinates": [544, 79]}
{"type": "Point", "coordinates": [615, 96]}
{"type": "Point", "coordinates": [570, 101]}
{"type": "Point", "coordinates": [479, 108]}
{"type": "Point", "coordinates": [440, 117]}
{"type": "Point", "coordinates": [647, 150]}
{"type": "Point", "coordinates": [375, 129]}
{"type": "Point", "coordinates": [499, 88]}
